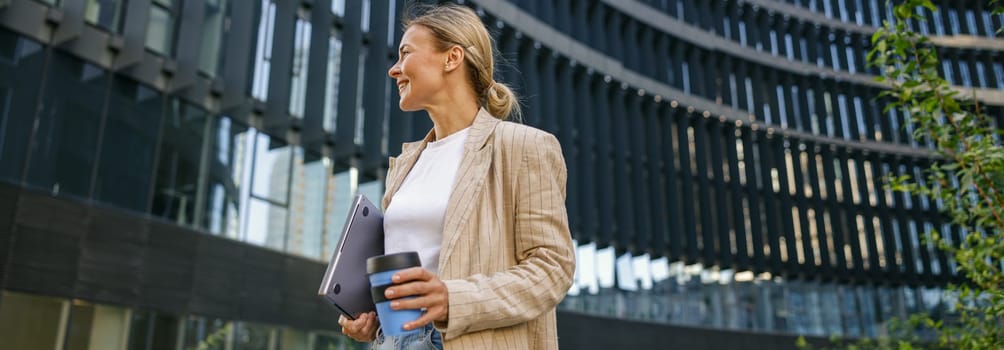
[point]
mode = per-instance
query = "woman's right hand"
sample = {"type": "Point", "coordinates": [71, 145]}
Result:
{"type": "Point", "coordinates": [362, 329]}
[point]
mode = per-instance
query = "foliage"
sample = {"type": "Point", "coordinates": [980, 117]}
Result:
{"type": "Point", "coordinates": [966, 181]}
{"type": "Point", "coordinates": [215, 340]}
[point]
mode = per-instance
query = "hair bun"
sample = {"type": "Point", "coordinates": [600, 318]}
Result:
{"type": "Point", "coordinates": [501, 101]}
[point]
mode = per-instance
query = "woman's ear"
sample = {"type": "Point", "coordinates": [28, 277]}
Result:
{"type": "Point", "coordinates": [454, 58]}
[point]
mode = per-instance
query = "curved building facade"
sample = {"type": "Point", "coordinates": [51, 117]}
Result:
{"type": "Point", "coordinates": [175, 173]}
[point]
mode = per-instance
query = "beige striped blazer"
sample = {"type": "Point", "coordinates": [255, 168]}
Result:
{"type": "Point", "coordinates": [507, 257]}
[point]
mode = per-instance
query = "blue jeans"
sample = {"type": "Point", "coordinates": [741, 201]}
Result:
{"type": "Point", "coordinates": [426, 339]}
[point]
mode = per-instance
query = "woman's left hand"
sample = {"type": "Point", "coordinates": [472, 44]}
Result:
{"type": "Point", "coordinates": [429, 291]}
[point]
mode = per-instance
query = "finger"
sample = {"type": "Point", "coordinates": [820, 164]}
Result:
{"type": "Point", "coordinates": [426, 301]}
{"type": "Point", "coordinates": [409, 289]}
{"type": "Point", "coordinates": [370, 324]}
{"type": "Point", "coordinates": [353, 329]}
{"type": "Point", "coordinates": [426, 318]}
{"type": "Point", "coordinates": [411, 274]}
{"type": "Point", "coordinates": [355, 326]}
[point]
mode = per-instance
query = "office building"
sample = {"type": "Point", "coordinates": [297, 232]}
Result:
{"type": "Point", "coordinates": [175, 173]}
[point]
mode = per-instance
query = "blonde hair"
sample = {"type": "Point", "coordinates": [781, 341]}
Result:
{"type": "Point", "coordinates": [453, 24]}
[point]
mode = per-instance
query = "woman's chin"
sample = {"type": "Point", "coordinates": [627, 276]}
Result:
{"type": "Point", "coordinates": [407, 107]}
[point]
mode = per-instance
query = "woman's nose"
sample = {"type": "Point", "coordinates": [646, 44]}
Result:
{"type": "Point", "coordinates": [394, 71]}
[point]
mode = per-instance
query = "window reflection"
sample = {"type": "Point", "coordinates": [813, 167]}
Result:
{"type": "Point", "coordinates": [301, 57]}
{"type": "Point", "coordinates": [711, 297]}
{"type": "Point", "coordinates": [266, 206]}
{"type": "Point", "coordinates": [213, 36]}
{"type": "Point", "coordinates": [21, 60]}
{"type": "Point", "coordinates": [331, 90]}
{"type": "Point", "coordinates": [93, 326]}
{"type": "Point", "coordinates": [272, 160]}
{"type": "Point", "coordinates": [206, 333]}
{"type": "Point", "coordinates": [373, 190]}
{"type": "Point", "coordinates": [230, 158]}
{"type": "Point", "coordinates": [182, 139]}
{"type": "Point", "coordinates": [252, 336]}
{"type": "Point", "coordinates": [150, 330]}
{"type": "Point", "coordinates": [365, 17]}
{"type": "Point", "coordinates": [308, 194]}
{"type": "Point", "coordinates": [160, 28]}
{"type": "Point", "coordinates": [104, 13]}
{"type": "Point", "coordinates": [64, 149]}
{"type": "Point", "coordinates": [338, 7]}
{"type": "Point", "coordinates": [342, 190]}
{"type": "Point", "coordinates": [126, 165]}
{"type": "Point", "coordinates": [263, 51]}
{"type": "Point", "coordinates": [360, 111]}
{"type": "Point", "coordinates": [29, 321]}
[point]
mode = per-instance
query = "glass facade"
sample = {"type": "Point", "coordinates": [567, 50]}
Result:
{"type": "Point", "coordinates": [160, 30]}
{"type": "Point", "coordinates": [123, 143]}
{"type": "Point", "coordinates": [104, 13]}
{"type": "Point", "coordinates": [697, 296]}
{"type": "Point", "coordinates": [729, 172]}
{"type": "Point", "coordinates": [37, 322]}
{"type": "Point", "coordinates": [213, 37]}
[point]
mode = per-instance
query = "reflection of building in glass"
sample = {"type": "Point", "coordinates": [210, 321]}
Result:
{"type": "Point", "coordinates": [726, 159]}
{"type": "Point", "coordinates": [275, 236]}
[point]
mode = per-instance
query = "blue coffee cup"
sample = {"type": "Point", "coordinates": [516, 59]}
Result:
{"type": "Point", "coordinates": [381, 269]}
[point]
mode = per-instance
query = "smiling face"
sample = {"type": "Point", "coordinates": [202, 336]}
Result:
{"type": "Point", "coordinates": [420, 69]}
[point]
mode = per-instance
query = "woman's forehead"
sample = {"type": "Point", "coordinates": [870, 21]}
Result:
{"type": "Point", "coordinates": [416, 35]}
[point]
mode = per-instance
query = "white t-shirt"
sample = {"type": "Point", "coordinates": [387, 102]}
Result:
{"type": "Point", "coordinates": [414, 220]}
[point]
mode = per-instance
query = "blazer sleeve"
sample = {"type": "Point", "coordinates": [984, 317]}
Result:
{"type": "Point", "coordinates": [544, 251]}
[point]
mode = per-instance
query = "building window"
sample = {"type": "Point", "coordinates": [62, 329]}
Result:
{"type": "Point", "coordinates": [215, 26]}
{"type": "Point", "coordinates": [265, 208]}
{"type": "Point", "coordinates": [254, 336]}
{"type": "Point", "coordinates": [365, 24]}
{"type": "Point", "coordinates": [21, 62]}
{"type": "Point", "coordinates": [65, 142]}
{"type": "Point", "coordinates": [263, 52]}
{"type": "Point", "coordinates": [308, 212]}
{"type": "Point", "coordinates": [129, 144]}
{"type": "Point", "coordinates": [338, 7]}
{"type": "Point", "coordinates": [953, 20]}
{"type": "Point", "coordinates": [936, 21]}
{"type": "Point", "coordinates": [206, 333]}
{"type": "Point", "coordinates": [180, 159]}
{"type": "Point", "coordinates": [97, 326]}
{"type": "Point", "coordinates": [301, 60]}
{"type": "Point", "coordinates": [229, 160]}
{"type": "Point", "coordinates": [360, 111]}
{"type": "Point", "coordinates": [331, 90]}
{"type": "Point", "coordinates": [31, 321]}
{"type": "Point", "coordinates": [999, 71]}
{"type": "Point", "coordinates": [152, 330]}
{"type": "Point", "coordinates": [160, 28]}
{"type": "Point", "coordinates": [981, 72]}
{"type": "Point", "coordinates": [342, 188]}
{"type": "Point", "coordinates": [104, 13]}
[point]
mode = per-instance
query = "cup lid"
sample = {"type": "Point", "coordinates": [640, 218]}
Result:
{"type": "Point", "coordinates": [394, 261]}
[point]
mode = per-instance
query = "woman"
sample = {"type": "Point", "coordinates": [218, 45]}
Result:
{"type": "Point", "coordinates": [481, 200]}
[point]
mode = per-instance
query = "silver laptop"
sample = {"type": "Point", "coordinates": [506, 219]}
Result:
{"type": "Point", "coordinates": [345, 283]}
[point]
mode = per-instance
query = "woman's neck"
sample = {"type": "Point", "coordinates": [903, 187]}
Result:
{"type": "Point", "coordinates": [449, 119]}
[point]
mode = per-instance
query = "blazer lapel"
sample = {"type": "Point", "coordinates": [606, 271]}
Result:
{"type": "Point", "coordinates": [470, 179]}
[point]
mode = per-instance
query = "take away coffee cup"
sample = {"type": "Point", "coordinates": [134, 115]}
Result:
{"type": "Point", "coordinates": [381, 269]}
